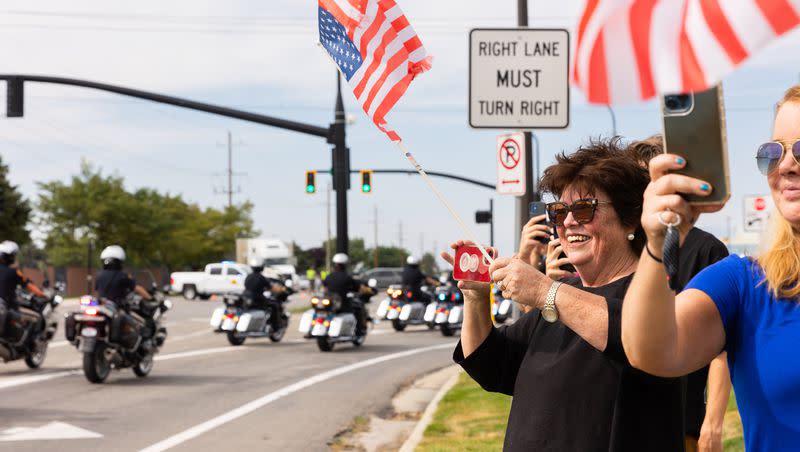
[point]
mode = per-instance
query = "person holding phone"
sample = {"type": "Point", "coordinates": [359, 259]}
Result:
{"type": "Point", "coordinates": [563, 361]}
{"type": "Point", "coordinates": [747, 307]}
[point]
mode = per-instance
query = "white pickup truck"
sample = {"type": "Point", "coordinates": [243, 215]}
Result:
{"type": "Point", "coordinates": [217, 278]}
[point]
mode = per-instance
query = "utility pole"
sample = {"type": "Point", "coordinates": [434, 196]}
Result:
{"type": "Point", "coordinates": [328, 222]}
{"type": "Point", "coordinates": [229, 174]}
{"type": "Point", "coordinates": [341, 170]}
{"type": "Point", "coordinates": [491, 223]}
{"type": "Point", "coordinates": [400, 233]}
{"type": "Point", "coordinates": [522, 202]}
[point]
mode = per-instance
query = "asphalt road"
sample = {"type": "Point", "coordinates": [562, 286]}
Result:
{"type": "Point", "coordinates": [204, 394]}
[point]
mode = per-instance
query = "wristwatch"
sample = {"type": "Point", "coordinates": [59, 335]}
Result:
{"type": "Point", "coordinates": [549, 311]}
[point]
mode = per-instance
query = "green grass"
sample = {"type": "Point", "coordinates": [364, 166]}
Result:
{"type": "Point", "coordinates": [471, 419]}
{"type": "Point", "coordinates": [467, 419]}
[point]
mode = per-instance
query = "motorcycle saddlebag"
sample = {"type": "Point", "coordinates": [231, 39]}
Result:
{"type": "Point", "coordinates": [124, 330]}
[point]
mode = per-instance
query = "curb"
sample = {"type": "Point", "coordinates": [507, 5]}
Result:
{"type": "Point", "coordinates": [416, 435]}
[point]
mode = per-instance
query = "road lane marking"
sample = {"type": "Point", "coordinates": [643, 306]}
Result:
{"type": "Point", "coordinates": [206, 351]}
{"type": "Point", "coordinates": [248, 408]}
{"type": "Point", "coordinates": [53, 430]}
{"type": "Point", "coordinates": [18, 381]}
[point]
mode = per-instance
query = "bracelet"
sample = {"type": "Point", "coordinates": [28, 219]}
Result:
{"type": "Point", "coordinates": [647, 248]}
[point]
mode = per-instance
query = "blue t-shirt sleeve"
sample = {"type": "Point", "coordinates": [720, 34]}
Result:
{"type": "Point", "coordinates": [723, 282]}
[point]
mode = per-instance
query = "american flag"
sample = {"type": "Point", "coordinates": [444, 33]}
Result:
{"type": "Point", "coordinates": [376, 50]}
{"type": "Point", "coordinates": [631, 50]}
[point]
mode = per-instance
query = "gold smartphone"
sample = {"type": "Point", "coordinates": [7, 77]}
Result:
{"type": "Point", "coordinates": [694, 128]}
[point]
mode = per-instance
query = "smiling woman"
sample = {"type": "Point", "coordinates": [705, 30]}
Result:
{"type": "Point", "coordinates": [563, 361]}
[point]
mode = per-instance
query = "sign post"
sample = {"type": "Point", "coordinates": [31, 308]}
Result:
{"type": "Point", "coordinates": [511, 152]}
{"type": "Point", "coordinates": [757, 209]}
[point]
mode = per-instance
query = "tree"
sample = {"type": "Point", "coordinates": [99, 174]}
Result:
{"type": "Point", "coordinates": [428, 265]}
{"type": "Point", "coordinates": [15, 211]}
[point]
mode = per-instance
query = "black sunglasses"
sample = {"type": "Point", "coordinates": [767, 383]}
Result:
{"type": "Point", "coordinates": [770, 154]}
{"type": "Point", "coordinates": [582, 210]}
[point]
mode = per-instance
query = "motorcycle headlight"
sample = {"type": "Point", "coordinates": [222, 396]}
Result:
{"type": "Point", "coordinates": [326, 302]}
{"type": "Point", "coordinates": [314, 301]}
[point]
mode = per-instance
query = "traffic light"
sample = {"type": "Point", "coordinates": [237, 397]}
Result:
{"type": "Point", "coordinates": [15, 96]}
{"type": "Point", "coordinates": [366, 181]}
{"type": "Point", "coordinates": [483, 216]}
{"type": "Point", "coordinates": [311, 182]}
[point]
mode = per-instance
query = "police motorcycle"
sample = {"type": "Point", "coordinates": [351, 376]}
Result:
{"type": "Point", "coordinates": [239, 319]}
{"type": "Point", "coordinates": [402, 310]}
{"type": "Point", "coordinates": [502, 308]}
{"type": "Point", "coordinates": [325, 323]}
{"type": "Point", "coordinates": [114, 335]}
{"type": "Point", "coordinates": [447, 310]}
{"type": "Point", "coordinates": [28, 336]}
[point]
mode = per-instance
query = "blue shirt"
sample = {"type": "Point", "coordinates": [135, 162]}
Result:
{"type": "Point", "coordinates": [762, 338]}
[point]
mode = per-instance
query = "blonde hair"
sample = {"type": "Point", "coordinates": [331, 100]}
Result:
{"type": "Point", "coordinates": [781, 260]}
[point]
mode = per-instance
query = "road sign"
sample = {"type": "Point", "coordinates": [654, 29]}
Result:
{"type": "Point", "coordinates": [519, 78]}
{"type": "Point", "coordinates": [511, 175]}
{"type": "Point", "coordinates": [757, 209]}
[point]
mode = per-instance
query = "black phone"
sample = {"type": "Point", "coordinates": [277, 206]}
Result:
{"type": "Point", "coordinates": [535, 209]}
{"type": "Point", "coordinates": [694, 127]}
{"type": "Point", "coordinates": [566, 267]}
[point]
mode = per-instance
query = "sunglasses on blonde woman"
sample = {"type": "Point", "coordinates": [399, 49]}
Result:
{"type": "Point", "coordinates": [582, 210]}
{"type": "Point", "coordinates": [770, 154]}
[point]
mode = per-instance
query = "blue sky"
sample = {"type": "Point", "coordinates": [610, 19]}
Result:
{"type": "Point", "coordinates": [262, 56]}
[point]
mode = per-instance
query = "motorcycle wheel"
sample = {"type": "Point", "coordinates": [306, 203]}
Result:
{"type": "Point", "coordinates": [447, 330]}
{"type": "Point", "coordinates": [324, 344]}
{"type": "Point", "coordinates": [36, 358]}
{"type": "Point", "coordinates": [235, 340]}
{"type": "Point", "coordinates": [276, 336]}
{"type": "Point", "coordinates": [431, 326]}
{"type": "Point", "coordinates": [398, 325]}
{"type": "Point", "coordinates": [359, 340]}
{"type": "Point", "coordinates": [144, 366]}
{"type": "Point", "coordinates": [95, 365]}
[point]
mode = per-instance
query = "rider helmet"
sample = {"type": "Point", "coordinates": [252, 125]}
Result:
{"type": "Point", "coordinates": [257, 264]}
{"type": "Point", "coordinates": [341, 259]}
{"type": "Point", "coordinates": [112, 255]}
{"type": "Point", "coordinates": [8, 250]}
{"type": "Point", "coordinates": [412, 260]}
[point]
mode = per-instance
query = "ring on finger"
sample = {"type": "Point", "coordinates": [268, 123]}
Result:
{"type": "Point", "coordinates": [665, 222]}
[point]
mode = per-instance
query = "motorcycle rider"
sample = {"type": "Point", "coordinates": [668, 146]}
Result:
{"type": "Point", "coordinates": [414, 278]}
{"type": "Point", "coordinates": [10, 279]}
{"type": "Point", "coordinates": [340, 282]}
{"type": "Point", "coordinates": [256, 284]}
{"type": "Point", "coordinates": [115, 285]}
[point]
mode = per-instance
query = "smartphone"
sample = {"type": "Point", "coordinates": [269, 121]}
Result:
{"type": "Point", "coordinates": [566, 267]}
{"type": "Point", "coordinates": [537, 208]}
{"type": "Point", "coordinates": [694, 128]}
{"type": "Point", "coordinates": [471, 264]}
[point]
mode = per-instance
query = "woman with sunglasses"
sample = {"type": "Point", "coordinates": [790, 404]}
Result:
{"type": "Point", "coordinates": [563, 361]}
{"type": "Point", "coordinates": [747, 307]}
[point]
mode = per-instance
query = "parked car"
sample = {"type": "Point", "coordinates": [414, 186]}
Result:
{"type": "Point", "coordinates": [384, 276]}
{"type": "Point", "coordinates": [217, 278]}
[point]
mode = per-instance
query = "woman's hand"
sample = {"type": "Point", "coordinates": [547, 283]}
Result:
{"type": "Point", "coordinates": [519, 281]}
{"type": "Point", "coordinates": [472, 290]}
{"type": "Point", "coordinates": [530, 248]}
{"type": "Point", "coordinates": [663, 197]}
{"type": "Point", "coordinates": [553, 268]}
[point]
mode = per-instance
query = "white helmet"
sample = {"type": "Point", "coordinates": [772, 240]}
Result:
{"type": "Point", "coordinates": [9, 247]}
{"type": "Point", "coordinates": [113, 252]}
{"type": "Point", "coordinates": [412, 260]}
{"type": "Point", "coordinates": [255, 262]}
{"type": "Point", "coordinates": [340, 258]}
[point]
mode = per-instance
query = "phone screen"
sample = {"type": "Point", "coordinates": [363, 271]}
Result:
{"type": "Point", "coordinates": [535, 209]}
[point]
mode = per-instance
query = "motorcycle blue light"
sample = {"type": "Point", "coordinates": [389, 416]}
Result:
{"type": "Point", "coordinates": [442, 296]}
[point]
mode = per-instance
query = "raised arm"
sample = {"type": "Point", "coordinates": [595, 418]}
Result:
{"type": "Point", "coordinates": [477, 323]}
{"type": "Point", "coordinates": [663, 334]}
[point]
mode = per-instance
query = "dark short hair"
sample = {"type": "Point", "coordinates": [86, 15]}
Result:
{"type": "Point", "coordinates": [645, 150]}
{"type": "Point", "coordinates": [603, 165]}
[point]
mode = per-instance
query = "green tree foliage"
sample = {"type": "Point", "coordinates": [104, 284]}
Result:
{"type": "Point", "coordinates": [15, 211]}
{"type": "Point", "coordinates": [155, 229]}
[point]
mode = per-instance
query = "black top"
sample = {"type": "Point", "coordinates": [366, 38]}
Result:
{"type": "Point", "coordinates": [700, 249]}
{"type": "Point", "coordinates": [114, 285]}
{"type": "Point", "coordinates": [339, 282]}
{"type": "Point", "coordinates": [256, 284]}
{"type": "Point", "coordinates": [10, 279]}
{"type": "Point", "coordinates": [568, 396]}
{"type": "Point", "coordinates": [413, 277]}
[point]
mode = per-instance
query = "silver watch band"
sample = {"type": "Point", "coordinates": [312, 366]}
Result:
{"type": "Point", "coordinates": [550, 301]}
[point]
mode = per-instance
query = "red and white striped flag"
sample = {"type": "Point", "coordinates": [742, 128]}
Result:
{"type": "Point", "coordinates": [631, 50]}
{"type": "Point", "coordinates": [376, 50]}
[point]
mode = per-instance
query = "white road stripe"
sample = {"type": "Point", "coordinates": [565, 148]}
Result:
{"type": "Point", "coordinates": [247, 408]}
{"type": "Point", "coordinates": [19, 381]}
{"type": "Point", "coordinates": [207, 351]}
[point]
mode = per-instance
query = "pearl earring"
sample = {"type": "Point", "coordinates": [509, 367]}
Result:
{"type": "Point", "coordinates": [631, 236]}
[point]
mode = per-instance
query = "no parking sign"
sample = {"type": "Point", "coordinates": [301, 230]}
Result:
{"type": "Point", "coordinates": [757, 209]}
{"type": "Point", "coordinates": [510, 154]}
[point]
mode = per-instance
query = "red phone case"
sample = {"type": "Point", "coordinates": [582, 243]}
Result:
{"type": "Point", "coordinates": [471, 265]}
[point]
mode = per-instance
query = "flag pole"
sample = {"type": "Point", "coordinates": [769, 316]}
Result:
{"type": "Point", "coordinates": [441, 197]}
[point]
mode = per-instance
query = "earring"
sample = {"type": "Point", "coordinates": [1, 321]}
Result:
{"type": "Point", "coordinates": [631, 236]}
